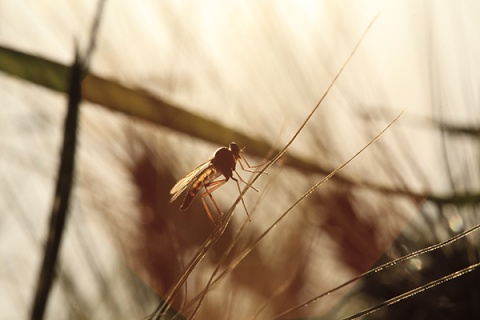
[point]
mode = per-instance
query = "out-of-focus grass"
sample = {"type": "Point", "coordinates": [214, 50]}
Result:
{"type": "Point", "coordinates": [116, 97]}
{"type": "Point", "coordinates": [34, 69]}
{"type": "Point", "coordinates": [142, 105]}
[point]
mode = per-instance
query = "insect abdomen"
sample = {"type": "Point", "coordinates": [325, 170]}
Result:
{"type": "Point", "coordinates": [207, 176]}
{"type": "Point", "coordinates": [188, 198]}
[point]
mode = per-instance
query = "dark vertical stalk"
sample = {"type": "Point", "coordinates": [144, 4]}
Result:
{"type": "Point", "coordinates": [62, 194]}
{"type": "Point", "coordinates": [65, 174]}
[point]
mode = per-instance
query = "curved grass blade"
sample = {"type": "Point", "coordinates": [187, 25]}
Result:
{"type": "Point", "coordinates": [380, 268]}
{"type": "Point", "coordinates": [415, 291]}
{"type": "Point", "coordinates": [228, 215]}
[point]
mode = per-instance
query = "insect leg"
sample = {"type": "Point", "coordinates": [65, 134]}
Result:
{"type": "Point", "coordinates": [241, 179]}
{"type": "Point", "coordinates": [240, 191]}
{"type": "Point", "coordinates": [207, 210]}
{"type": "Point", "coordinates": [215, 185]}
{"type": "Point", "coordinates": [250, 166]}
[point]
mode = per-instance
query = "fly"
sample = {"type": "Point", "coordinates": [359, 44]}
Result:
{"type": "Point", "coordinates": [223, 162]}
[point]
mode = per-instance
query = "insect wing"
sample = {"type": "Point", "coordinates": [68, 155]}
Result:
{"type": "Point", "coordinates": [185, 182]}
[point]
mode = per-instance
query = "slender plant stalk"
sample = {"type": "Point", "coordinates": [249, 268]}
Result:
{"type": "Point", "coordinates": [162, 308]}
{"type": "Point", "coordinates": [225, 254]}
{"type": "Point", "coordinates": [378, 269]}
{"type": "Point", "coordinates": [284, 150]}
{"type": "Point", "coordinates": [62, 194]}
{"type": "Point", "coordinates": [306, 194]}
{"type": "Point", "coordinates": [64, 185]}
{"type": "Point", "coordinates": [415, 291]}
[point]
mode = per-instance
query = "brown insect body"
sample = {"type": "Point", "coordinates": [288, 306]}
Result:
{"type": "Point", "coordinates": [208, 175]}
{"type": "Point", "coordinates": [223, 162]}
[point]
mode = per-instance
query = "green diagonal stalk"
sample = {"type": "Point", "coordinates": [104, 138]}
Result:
{"type": "Point", "coordinates": [142, 105]}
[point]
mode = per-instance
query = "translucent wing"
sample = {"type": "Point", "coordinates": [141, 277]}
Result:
{"type": "Point", "coordinates": [185, 182]}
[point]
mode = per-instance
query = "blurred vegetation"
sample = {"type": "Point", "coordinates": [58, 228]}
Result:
{"type": "Point", "coordinates": [456, 299]}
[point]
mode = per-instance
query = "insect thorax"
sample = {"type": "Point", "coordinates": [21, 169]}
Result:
{"type": "Point", "coordinates": [224, 161]}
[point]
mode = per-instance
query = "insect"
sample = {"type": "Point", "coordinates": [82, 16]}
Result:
{"type": "Point", "coordinates": [223, 162]}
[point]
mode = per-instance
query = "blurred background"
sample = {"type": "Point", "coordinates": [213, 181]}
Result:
{"type": "Point", "coordinates": [257, 68]}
